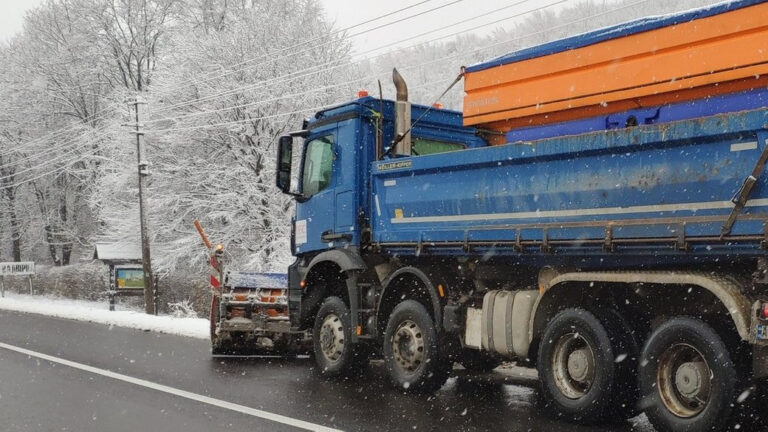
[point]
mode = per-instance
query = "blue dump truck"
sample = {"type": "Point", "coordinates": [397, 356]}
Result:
{"type": "Point", "coordinates": [622, 252]}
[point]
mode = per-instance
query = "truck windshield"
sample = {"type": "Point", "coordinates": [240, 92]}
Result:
{"type": "Point", "coordinates": [318, 165]}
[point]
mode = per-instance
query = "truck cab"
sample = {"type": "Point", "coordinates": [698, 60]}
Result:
{"type": "Point", "coordinates": [337, 149]}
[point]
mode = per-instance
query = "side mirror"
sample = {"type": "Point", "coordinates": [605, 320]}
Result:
{"type": "Point", "coordinates": [284, 160]}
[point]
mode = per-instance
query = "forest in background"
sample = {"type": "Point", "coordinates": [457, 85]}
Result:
{"type": "Point", "coordinates": [222, 79]}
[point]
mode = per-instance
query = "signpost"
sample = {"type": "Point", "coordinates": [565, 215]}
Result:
{"type": "Point", "coordinates": [23, 268]}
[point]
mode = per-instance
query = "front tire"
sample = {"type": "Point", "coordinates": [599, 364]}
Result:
{"type": "Point", "coordinates": [583, 363]}
{"type": "Point", "coordinates": [687, 377]}
{"type": "Point", "coordinates": [411, 351]}
{"type": "Point", "coordinates": [334, 351]}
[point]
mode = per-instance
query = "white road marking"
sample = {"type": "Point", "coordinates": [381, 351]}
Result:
{"type": "Point", "coordinates": [177, 392]}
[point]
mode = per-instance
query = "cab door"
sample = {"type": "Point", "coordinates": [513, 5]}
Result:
{"type": "Point", "coordinates": [315, 214]}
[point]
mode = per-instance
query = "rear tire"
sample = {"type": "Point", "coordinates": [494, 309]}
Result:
{"type": "Point", "coordinates": [411, 352]}
{"type": "Point", "coordinates": [334, 352]}
{"type": "Point", "coordinates": [584, 367]}
{"type": "Point", "coordinates": [687, 377]}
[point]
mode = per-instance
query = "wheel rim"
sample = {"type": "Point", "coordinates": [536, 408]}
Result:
{"type": "Point", "coordinates": [684, 380]}
{"type": "Point", "coordinates": [408, 346]}
{"type": "Point", "coordinates": [573, 365]}
{"type": "Point", "coordinates": [332, 337]}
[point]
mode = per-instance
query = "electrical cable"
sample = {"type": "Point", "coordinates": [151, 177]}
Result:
{"type": "Point", "coordinates": [65, 165]}
{"type": "Point", "coordinates": [70, 145]}
{"type": "Point", "coordinates": [407, 68]}
{"type": "Point", "coordinates": [243, 121]}
{"type": "Point", "coordinates": [318, 68]}
{"type": "Point", "coordinates": [99, 115]}
{"type": "Point", "coordinates": [94, 139]}
{"type": "Point", "coordinates": [273, 56]}
{"type": "Point", "coordinates": [55, 159]}
{"type": "Point", "coordinates": [346, 65]}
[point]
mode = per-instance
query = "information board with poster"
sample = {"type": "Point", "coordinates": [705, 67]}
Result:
{"type": "Point", "coordinates": [129, 278]}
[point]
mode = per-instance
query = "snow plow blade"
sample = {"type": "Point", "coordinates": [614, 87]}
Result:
{"type": "Point", "coordinates": [251, 317]}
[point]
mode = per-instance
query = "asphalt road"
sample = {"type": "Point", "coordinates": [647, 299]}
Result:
{"type": "Point", "coordinates": [42, 394]}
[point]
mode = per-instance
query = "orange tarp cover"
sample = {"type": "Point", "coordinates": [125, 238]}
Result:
{"type": "Point", "coordinates": [714, 55]}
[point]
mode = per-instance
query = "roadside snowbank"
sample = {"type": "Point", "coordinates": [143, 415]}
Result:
{"type": "Point", "coordinates": [98, 312]}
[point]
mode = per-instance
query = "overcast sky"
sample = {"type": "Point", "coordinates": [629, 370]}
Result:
{"type": "Point", "coordinates": [347, 13]}
{"type": "Point", "coordinates": [12, 15]}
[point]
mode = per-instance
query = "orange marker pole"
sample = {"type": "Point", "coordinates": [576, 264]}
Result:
{"type": "Point", "coordinates": [202, 234]}
{"type": "Point", "coordinates": [216, 273]}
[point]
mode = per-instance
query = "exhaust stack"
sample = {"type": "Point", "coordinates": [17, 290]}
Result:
{"type": "Point", "coordinates": [402, 115]}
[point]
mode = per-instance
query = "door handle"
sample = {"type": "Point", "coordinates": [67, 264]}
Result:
{"type": "Point", "coordinates": [329, 236]}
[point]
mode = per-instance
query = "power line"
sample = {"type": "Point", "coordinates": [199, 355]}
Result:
{"type": "Point", "coordinates": [278, 79]}
{"type": "Point", "coordinates": [407, 68]}
{"type": "Point", "coordinates": [65, 165]}
{"type": "Point", "coordinates": [58, 132]}
{"type": "Point", "coordinates": [312, 108]}
{"type": "Point", "coordinates": [344, 65]}
{"type": "Point", "coordinates": [73, 143]}
{"type": "Point", "coordinates": [243, 121]}
{"type": "Point", "coordinates": [271, 55]}
{"type": "Point", "coordinates": [318, 68]}
{"type": "Point", "coordinates": [55, 159]}
{"type": "Point", "coordinates": [275, 58]}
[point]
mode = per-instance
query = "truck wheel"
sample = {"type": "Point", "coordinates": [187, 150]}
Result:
{"type": "Point", "coordinates": [687, 378]}
{"type": "Point", "coordinates": [581, 365]}
{"type": "Point", "coordinates": [332, 337]}
{"type": "Point", "coordinates": [478, 361]}
{"type": "Point", "coordinates": [411, 352]}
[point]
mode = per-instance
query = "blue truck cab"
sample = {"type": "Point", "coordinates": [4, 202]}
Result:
{"type": "Point", "coordinates": [340, 146]}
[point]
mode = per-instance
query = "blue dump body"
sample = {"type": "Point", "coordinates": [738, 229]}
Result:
{"type": "Point", "coordinates": [644, 192]}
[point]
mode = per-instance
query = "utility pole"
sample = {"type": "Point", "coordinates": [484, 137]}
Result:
{"type": "Point", "coordinates": [149, 288]}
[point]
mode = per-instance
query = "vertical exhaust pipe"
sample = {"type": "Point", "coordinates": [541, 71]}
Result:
{"type": "Point", "coordinates": [402, 115]}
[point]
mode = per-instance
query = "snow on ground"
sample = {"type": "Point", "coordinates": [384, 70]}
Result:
{"type": "Point", "coordinates": [98, 312]}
